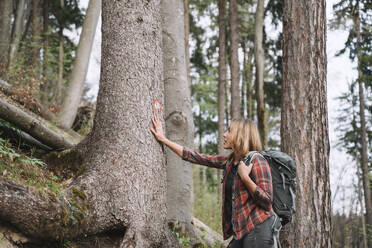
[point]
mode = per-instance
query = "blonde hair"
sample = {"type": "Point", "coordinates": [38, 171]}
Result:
{"type": "Point", "coordinates": [244, 136]}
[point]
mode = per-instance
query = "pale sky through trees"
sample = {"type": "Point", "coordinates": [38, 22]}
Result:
{"type": "Point", "coordinates": [341, 71]}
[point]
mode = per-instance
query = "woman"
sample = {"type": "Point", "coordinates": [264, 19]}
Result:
{"type": "Point", "coordinates": [247, 193]}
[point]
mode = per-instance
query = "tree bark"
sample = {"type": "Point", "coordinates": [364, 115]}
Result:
{"type": "Point", "coordinates": [222, 78]}
{"type": "Point", "coordinates": [6, 9]}
{"type": "Point", "coordinates": [178, 116]}
{"type": "Point", "coordinates": [45, 86]}
{"type": "Point", "coordinates": [17, 31]}
{"type": "Point", "coordinates": [259, 62]}
{"type": "Point", "coordinates": [187, 34]}
{"type": "Point", "coordinates": [363, 152]}
{"type": "Point", "coordinates": [122, 188]}
{"type": "Point", "coordinates": [36, 35]}
{"type": "Point", "coordinates": [76, 81]}
{"type": "Point", "coordinates": [58, 89]}
{"type": "Point", "coordinates": [234, 62]}
{"type": "Point", "coordinates": [304, 123]}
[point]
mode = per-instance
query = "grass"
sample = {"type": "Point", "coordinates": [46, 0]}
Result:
{"type": "Point", "coordinates": [25, 169]}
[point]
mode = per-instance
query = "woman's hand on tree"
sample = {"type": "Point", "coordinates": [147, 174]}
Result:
{"type": "Point", "coordinates": [244, 170]}
{"type": "Point", "coordinates": [157, 129]}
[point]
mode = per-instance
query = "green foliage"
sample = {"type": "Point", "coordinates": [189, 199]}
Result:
{"type": "Point", "coordinates": [27, 170]}
{"type": "Point", "coordinates": [349, 123]}
{"type": "Point", "coordinates": [207, 206]}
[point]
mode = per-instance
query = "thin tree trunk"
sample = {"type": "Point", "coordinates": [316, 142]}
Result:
{"type": "Point", "coordinates": [178, 116]}
{"type": "Point", "coordinates": [17, 31]}
{"type": "Point", "coordinates": [6, 9]}
{"type": "Point", "coordinates": [259, 62]}
{"type": "Point", "coordinates": [249, 76]}
{"type": "Point", "coordinates": [304, 122]}
{"type": "Point", "coordinates": [40, 130]}
{"type": "Point", "coordinates": [364, 156]}
{"type": "Point", "coordinates": [76, 81]}
{"type": "Point", "coordinates": [234, 62]}
{"type": "Point", "coordinates": [362, 208]}
{"type": "Point", "coordinates": [222, 71]}
{"type": "Point", "coordinates": [45, 86]}
{"type": "Point", "coordinates": [36, 35]}
{"type": "Point", "coordinates": [58, 88]}
{"type": "Point", "coordinates": [243, 104]}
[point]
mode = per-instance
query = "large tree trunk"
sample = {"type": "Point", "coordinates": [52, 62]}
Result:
{"type": "Point", "coordinates": [259, 62]}
{"type": "Point", "coordinates": [234, 62]}
{"type": "Point", "coordinates": [364, 155]}
{"type": "Point", "coordinates": [122, 189]}
{"type": "Point", "coordinates": [17, 31]}
{"type": "Point", "coordinates": [6, 9]}
{"type": "Point", "coordinates": [304, 124]}
{"type": "Point", "coordinates": [178, 115]}
{"type": "Point", "coordinates": [76, 82]}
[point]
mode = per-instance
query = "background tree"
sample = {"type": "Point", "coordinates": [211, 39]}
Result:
{"type": "Point", "coordinates": [234, 60]}
{"type": "Point", "coordinates": [178, 115]}
{"type": "Point", "coordinates": [6, 9]}
{"type": "Point", "coordinates": [17, 31]}
{"type": "Point", "coordinates": [360, 50]}
{"type": "Point", "coordinates": [304, 124]}
{"type": "Point", "coordinates": [222, 77]}
{"type": "Point", "coordinates": [259, 62]}
{"type": "Point", "coordinates": [75, 88]}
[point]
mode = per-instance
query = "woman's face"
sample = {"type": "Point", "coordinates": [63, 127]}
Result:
{"type": "Point", "coordinates": [227, 139]}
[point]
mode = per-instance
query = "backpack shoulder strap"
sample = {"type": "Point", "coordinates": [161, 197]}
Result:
{"type": "Point", "coordinates": [248, 159]}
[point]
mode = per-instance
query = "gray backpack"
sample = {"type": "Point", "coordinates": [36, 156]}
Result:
{"type": "Point", "coordinates": [283, 172]}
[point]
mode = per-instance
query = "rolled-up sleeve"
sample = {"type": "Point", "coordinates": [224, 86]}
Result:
{"type": "Point", "coordinates": [207, 160]}
{"type": "Point", "coordinates": [263, 195]}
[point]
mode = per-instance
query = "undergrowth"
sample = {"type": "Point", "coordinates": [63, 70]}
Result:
{"type": "Point", "coordinates": [25, 169]}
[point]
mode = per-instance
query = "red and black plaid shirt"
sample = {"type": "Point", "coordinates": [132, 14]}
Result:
{"type": "Point", "coordinates": [246, 211]}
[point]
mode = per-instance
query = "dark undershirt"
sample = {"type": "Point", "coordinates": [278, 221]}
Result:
{"type": "Point", "coordinates": [229, 185]}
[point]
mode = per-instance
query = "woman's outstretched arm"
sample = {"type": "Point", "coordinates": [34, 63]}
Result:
{"type": "Point", "coordinates": [157, 130]}
{"type": "Point", "coordinates": [184, 152]}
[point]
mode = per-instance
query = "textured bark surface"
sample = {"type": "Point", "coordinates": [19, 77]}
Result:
{"type": "Point", "coordinates": [304, 124]}
{"type": "Point", "coordinates": [122, 189]}
{"type": "Point", "coordinates": [234, 62]}
{"type": "Point", "coordinates": [259, 62]}
{"type": "Point", "coordinates": [6, 8]}
{"type": "Point", "coordinates": [178, 116]}
{"type": "Point", "coordinates": [76, 81]}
